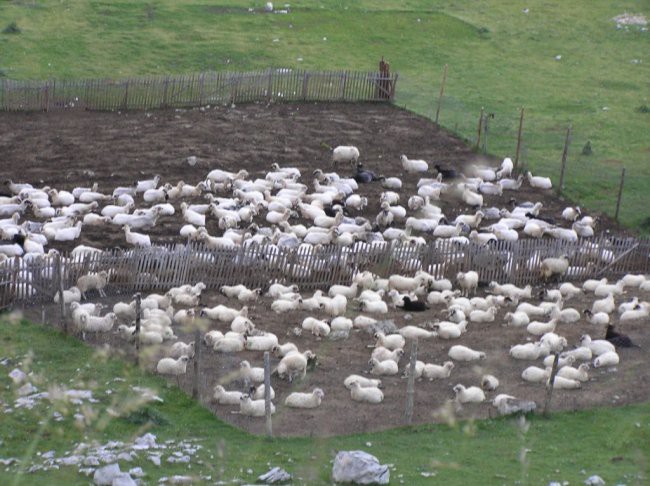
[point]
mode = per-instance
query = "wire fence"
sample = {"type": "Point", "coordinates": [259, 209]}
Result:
{"type": "Point", "coordinates": [189, 90]}
{"type": "Point", "coordinates": [37, 280]}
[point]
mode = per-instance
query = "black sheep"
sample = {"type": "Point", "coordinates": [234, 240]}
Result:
{"type": "Point", "coordinates": [617, 339]}
{"type": "Point", "coordinates": [446, 173]}
{"type": "Point", "coordinates": [413, 305]}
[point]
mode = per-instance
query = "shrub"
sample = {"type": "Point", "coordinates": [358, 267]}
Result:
{"type": "Point", "coordinates": [11, 28]}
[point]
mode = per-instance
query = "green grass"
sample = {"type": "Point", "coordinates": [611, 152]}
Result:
{"type": "Point", "coordinates": [499, 58]}
{"type": "Point", "coordinates": [613, 443]}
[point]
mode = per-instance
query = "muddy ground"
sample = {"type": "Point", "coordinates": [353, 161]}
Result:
{"type": "Point", "coordinates": [64, 150]}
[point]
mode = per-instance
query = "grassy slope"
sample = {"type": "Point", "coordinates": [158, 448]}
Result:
{"type": "Point", "coordinates": [614, 443]}
{"type": "Point", "coordinates": [507, 64]}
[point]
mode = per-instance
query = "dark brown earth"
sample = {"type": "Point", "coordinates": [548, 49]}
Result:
{"type": "Point", "coordinates": [64, 150]}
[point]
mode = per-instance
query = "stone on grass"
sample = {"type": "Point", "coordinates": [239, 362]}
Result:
{"type": "Point", "coordinates": [359, 467]}
{"type": "Point", "coordinates": [595, 480]}
{"type": "Point", "coordinates": [275, 475]}
{"type": "Point", "coordinates": [123, 479]}
{"type": "Point", "coordinates": [104, 476]}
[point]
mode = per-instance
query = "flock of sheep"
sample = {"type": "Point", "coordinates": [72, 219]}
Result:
{"type": "Point", "coordinates": [280, 210]}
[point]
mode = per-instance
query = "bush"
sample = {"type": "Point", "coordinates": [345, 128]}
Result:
{"type": "Point", "coordinates": [643, 109]}
{"type": "Point", "coordinates": [11, 28]}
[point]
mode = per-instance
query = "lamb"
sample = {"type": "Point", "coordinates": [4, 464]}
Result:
{"type": "Point", "coordinates": [251, 374]}
{"type": "Point", "coordinates": [277, 289]}
{"type": "Point", "coordinates": [414, 165]}
{"type": "Point", "coordinates": [232, 291]}
{"type": "Point", "coordinates": [281, 350]}
{"type": "Point", "coordinates": [437, 372]}
{"type": "Point", "coordinates": [580, 373]}
{"type": "Point", "coordinates": [253, 408]}
{"type": "Point", "coordinates": [258, 393]}
{"type": "Point", "coordinates": [506, 168]}
{"type": "Point", "coordinates": [359, 393]}
{"type": "Point", "coordinates": [603, 290]}
{"type": "Point", "coordinates": [562, 383]}
{"type": "Point", "coordinates": [383, 368]}
{"type": "Point", "coordinates": [554, 267]}
{"type": "Point", "coordinates": [489, 382]}
{"type": "Point", "coordinates": [632, 280]}
{"type": "Point", "coordinates": [362, 381]}
{"type": "Point", "coordinates": [468, 281]}
{"type": "Point", "coordinates": [517, 319]}
{"type": "Point", "coordinates": [581, 353]}
{"type": "Point", "coordinates": [185, 317]}
{"type": "Point", "coordinates": [528, 351]}
{"type": "Point", "coordinates": [450, 330]}
{"type": "Point", "coordinates": [471, 198]}
{"type": "Point", "coordinates": [539, 182]}
{"type": "Point", "coordinates": [90, 281]}
{"type": "Point", "coordinates": [609, 358]}
{"type": "Point", "coordinates": [392, 341]}
{"type": "Point", "coordinates": [634, 314]}
{"type": "Point", "coordinates": [229, 344]}
{"type": "Point", "coordinates": [533, 374]}
{"type": "Point", "coordinates": [373, 307]}
{"type": "Point", "coordinates": [597, 319]}
{"type": "Point", "coordinates": [223, 397]}
{"type": "Point", "coordinates": [305, 400]}
{"type": "Point", "coordinates": [463, 353]}
{"type": "Point", "coordinates": [180, 348]}
{"type": "Point", "coordinates": [171, 366]}
{"type": "Point", "coordinates": [335, 306]}
{"type": "Point", "coordinates": [537, 328]}
{"type": "Point", "coordinates": [562, 362]}
{"type": "Point", "coordinates": [345, 153]}
{"type": "Point", "coordinates": [473, 394]}
{"type": "Point", "coordinates": [341, 324]}
{"type": "Point", "coordinates": [607, 305]}
{"type": "Point", "coordinates": [349, 291]}
{"type": "Point", "coordinates": [136, 239]}
{"type": "Point", "coordinates": [249, 295]}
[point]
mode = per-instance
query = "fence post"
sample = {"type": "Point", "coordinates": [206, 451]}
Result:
{"type": "Point", "coordinates": [518, 149]}
{"type": "Point", "coordinates": [565, 153]}
{"type": "Point", "coordinates": [197, 357]}
{"type": "Point", "coordinates": [267, 394]}
{"type": "Point", "coordinates": [126, 95]}
{"type": "Point", "coordinates": [480, 127]}
{"type": "Point", "coordinates": [549, 385]}
{"type": "Point", "coordinates": [59, 266]}
{"type": "Point", "coordinates": [46, 96]}
{"type": "Point", "coordinates": [165, 88]}
{"type": "Point", "coordinates": [137, 298]}
{"type": "Point", "coordinates": [410, 389]}
{"type": "Point", "coordinates": [269, 90]}
{"type": "Point", "coordinates": [305, 82]}
{"type": "Point", "coordinates": [201, 88]}
{"type": "Point", "coordinates": [442, 91]}
{"type": "Point", "coordinates": [620, 194]}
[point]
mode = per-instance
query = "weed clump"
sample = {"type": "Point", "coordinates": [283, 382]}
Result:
{"type": "Point", "coordinates": [11, 28]}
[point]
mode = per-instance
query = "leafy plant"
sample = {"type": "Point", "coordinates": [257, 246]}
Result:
{"type": "Point", "coordinates": [11, 28]}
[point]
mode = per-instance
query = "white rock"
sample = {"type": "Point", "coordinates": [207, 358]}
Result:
{"type": "Point", "coordinates": [155, 460]}
{"type": "Point", "coordinates": [595, 480]}
{"type": "Point", "coordinates": [123, 479]}
{"type": "Point", "coordinates": [105, 475]}
{"type": "Point", "coordinates": [17, 376]}
{"type": "Point", "coordinates": [359, 467]}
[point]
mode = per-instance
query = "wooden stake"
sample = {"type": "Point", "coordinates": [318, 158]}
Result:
{"type": "Point", "coordinates": [480, 127]}
{"type": "Point", "coordinates": [410, 389]}
{"type": "Point", "coordinates": [549, 385]}
{"type": "Point", "coordinates": [197, 357]}
{"type": "Point", "coordinates": [64, 321]}
{"type": "Point", "coordinates": [620, 194]}
{"type": "Point", "coordinates": [267, 394]}
{"type": "Point", "coordinates": [565, 153]}
{"type": "Point", "coordinates": [518, 149]}
{"type": "Point", "coordinates": [137, 298]}
{"type": "Point", "coordinates": [442, 91]}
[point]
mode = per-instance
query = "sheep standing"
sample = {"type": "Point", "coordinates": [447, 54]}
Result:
{"type": "Point", "coordinates": [90, 281]}
{"type": "Point", "coordinates": [253, 408]}
{"type": "Point", "coordinates": [345, 153]}
{"type": "Point", "coordinates": [173, 367]}
{"type": "Point", "coordinates": [468, 281]}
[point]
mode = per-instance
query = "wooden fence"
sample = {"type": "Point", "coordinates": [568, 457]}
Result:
{"type": "Point", "coordinates": [188, 90]}
{"type": "Point", "coordinates": [160, 268]}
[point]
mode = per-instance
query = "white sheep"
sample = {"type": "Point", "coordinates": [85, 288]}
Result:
{"type": "Point", "coordinates": [581, 373]}
{"type": "Point", "coordinates": [241, 325]}
{"type": "Point", "coordinates": [223, 397]}
{"type": "Point", "coordinates": [253, 408]}
{"type": "Point", "coordinates": [473, 394]}
{"type": "Point", "coordinates": [539, 181]}
{"type": "Point", "coordinates": [633, 280]}
{"type": "Point", "coordinates": [362, 381]}
{"type": "Point", "coordinates": [607, 305]}
{"type": "Point", "coordinates": [537, 328]}
{"type": "Point", "coordinates": [463, 353]}
{"type": "Point", "coordinates": [382, 354]}
{"type": "Point", "coordinates": [171, 366]}
{"type": "Point", "coordinates": [552, 267]}
{"type": "Point", "coordinates": [437, 372]}
{"type": "Point", "coordinates": [88, 323]}
{"type": "Point", "coordinates": [185, 317]}
{"type": "Point", "coordinates": [264, 342]}
{"type": "Point", "coordinates": [468, 281]}
{"type": "Point", "coordinates": [483, 315]}
{"type": "Point", "coordinates": [533, 374]}
{"type": "Point", "coordinates": [391, 341]}
{"type": "Point", "coordinates": [341, 324]}
{"type": "Point", "coordinates": [597, 319]}
{"type": "Point", "coordinates": [93, 281]}
{"type": "Point", "coordinates": [281, 350]}
{"type": "Point", "coordinates": [597, 346]}
{"type": "Point", "coordinates": [258, 393]}
{"type": "Point", "coordinates": [180, 348]}
{"type": "Point", "coordinates": [489, 382]}
{"type": "Point", "coordinates": [277, 289]}
{"type": "Point", "coordinates": [414, 165]}
{"type": "Point", "coordinates": [280, 306]}
{"type": "Point", "coordinates": [305, 400]}
{"type": "Point", "coordinates": [223, 313]}
{"type": "Point", "coordinates": [528, 351]}
{"type": "Point", "coordinates": [345, 153]}
{"type": "Point", "coordinates": [562, 362]}
{"type": "Point", "coordinates": [73, 294]}
{"type": "Point", "coordinates": [450, 330]}
{"type": "Point", "coordinates": [231, 344]}
{"type": "Point", "coordinates": [136, 239]}
{"type": "Point", "coordinates": [383, 368]}
{"type": "Point", "coordinates": [609, 358]}
{"type": "Point", "coordinates": [251, 374]}
{"type": "Point", "coordinates": [359, 393]}
{"type": "Point", "coordinates": [294, 363]}
{"type": "Point", "coordinates": [517, 319]}
{"type": "Point", "coordinates": [581, 353]}
{"type": "Point", "coordinates": [415, 332]}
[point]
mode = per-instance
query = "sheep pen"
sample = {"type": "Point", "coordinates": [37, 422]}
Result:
{"type": "Point", "coordinates": [115, 149]}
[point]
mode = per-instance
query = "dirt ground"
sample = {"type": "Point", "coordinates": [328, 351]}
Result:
{"type": "Point", "coordinates": [65, 150]}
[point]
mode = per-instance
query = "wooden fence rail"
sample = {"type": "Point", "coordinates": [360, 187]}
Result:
{"type": "Point", "coordinates": [188, 90]}
{"type": "Point", "coordinates": [160, 268]}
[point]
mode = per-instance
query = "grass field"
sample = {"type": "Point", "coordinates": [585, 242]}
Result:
{"type": "Point", "coordinates": [499, 58]}
{"type": "Point", "coordinates": [613, 443]}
